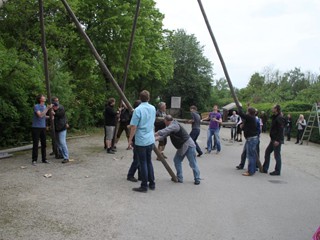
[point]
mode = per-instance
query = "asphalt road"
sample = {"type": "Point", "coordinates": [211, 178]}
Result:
{"type": "Point", "coordinates": [90, 198]}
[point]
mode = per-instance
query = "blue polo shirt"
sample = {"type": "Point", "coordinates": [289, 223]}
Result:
{"type": "Point", "coordinates": [143, 118]}
{"type": "Point", "coordinates": [38, 122]}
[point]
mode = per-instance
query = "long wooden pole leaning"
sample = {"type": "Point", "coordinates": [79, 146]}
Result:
{"type": "Point", "coordinates": [108, 74]}
{"type": "Point", "coordinates": [222, 64]}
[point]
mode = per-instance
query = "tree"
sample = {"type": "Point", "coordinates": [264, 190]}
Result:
{"type": "Point", "coordinates": [221, 94]}
{"type": "Point", "coordinates": [192, 77]}
{"type": "Point", "coordinates": [109, 23]}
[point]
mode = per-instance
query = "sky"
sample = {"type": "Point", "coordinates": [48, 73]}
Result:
{"type": "Point", "coordinates": [252, 35]}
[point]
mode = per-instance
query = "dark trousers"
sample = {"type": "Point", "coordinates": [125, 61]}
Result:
{"type": "Point", "coordinates": [38, 133]}
{"type": "Point", "coordinates": [123, 127]}
{"type": "Point", "coordinates": [288, 131]}
{"type": "Point", "coordinates": [194, 134]}
{"type": "Point", "coordinates": [147, 174]}
{"type": "Point", "coordinates": [134, 165]}
{"type": "Point", "coordinates": [299, 135]}
{"type": "Point", "coordinates": [277, 155]}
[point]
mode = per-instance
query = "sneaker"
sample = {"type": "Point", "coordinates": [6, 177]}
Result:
{"type": "Point", "coordinates": [179, 180]}
{"type": "Point", "coordinates": [207, 152]}
{"type": "Point", "coordinates": [65, 161]}
{"type": "Point", "coordinates": [199, 155]}
{"type": "Point", "coordinates": [247, 174]}
{"type": "Point", "coordinates": [274, 173]}
{"type": "Point", "coordinates": [45, 161]}
{"type": "Point", "coordinates": [52, 153]}
{"type": "Point", "coordinates": [34, 163]}
{"type": "Point", "coordinates": [132, 179]}
{"type": "Point", "coordinates": [197, 182]}
{"type": "Point", "coordinates": [140, 189]}
{"type": "Point", "coordinates": [217, 152]}
{"type": "Point", "coordinates": [110, 151]}
{"type": "Point", "coordinates": [239, 167]}
{"type": "Point", "coordinates": [152, 187]}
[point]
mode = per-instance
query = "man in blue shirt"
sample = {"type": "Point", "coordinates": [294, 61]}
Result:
{"type": "Point", "coordinates": [39, 128]}
{"type": "Point", "coordinates": [142, 129]}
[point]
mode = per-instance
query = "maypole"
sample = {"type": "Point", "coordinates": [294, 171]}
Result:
{"type": "Point", "coordinates": [108, 74]}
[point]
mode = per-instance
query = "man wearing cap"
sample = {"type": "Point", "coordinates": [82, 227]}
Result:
{"type": "Point", "coordinates": [184, 144]}
{"type": "Point", "coordinates": [60, 126]}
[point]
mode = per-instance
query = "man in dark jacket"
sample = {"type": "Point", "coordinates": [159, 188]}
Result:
{"type": "Point", "coordinates": [251, 135]}
{"type": "Point", "coordinates": [110, 119]}
{"type": "Point", "coordinates": [276, 140]}
{"type": "Point", "coordinates": [183, 143]}
{"type": "Point", "coordinates": [60, 126]}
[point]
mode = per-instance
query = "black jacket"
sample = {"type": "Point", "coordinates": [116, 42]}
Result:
{"type": "Point", "coordinates": [60, 119]}
{"type": "Point", "coordinates": [250, 125]}
{"type": "Point", "coordinates": [276, 129]}
{"type": "Point", "coordinates": [110, 116]}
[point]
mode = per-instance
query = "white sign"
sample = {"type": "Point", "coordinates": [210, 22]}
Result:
{"type": "Point", "coordinates": [175, 102]}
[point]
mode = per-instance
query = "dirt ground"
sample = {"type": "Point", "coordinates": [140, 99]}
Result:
{"type": "Point", "coordinates": [90, 198]}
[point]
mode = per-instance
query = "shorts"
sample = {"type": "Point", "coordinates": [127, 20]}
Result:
{"type": "Point", "coordinates": [109, 132]}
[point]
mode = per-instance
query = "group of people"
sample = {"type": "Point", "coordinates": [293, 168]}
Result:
{"type": "Point", "coordinates": [57, 117]}
{"type": "Point", "coordinates": [142, 139]}
{"type": "Point", "coordinates": [301, 124]}
{"type": "Point", "coordinates": [144, 126]}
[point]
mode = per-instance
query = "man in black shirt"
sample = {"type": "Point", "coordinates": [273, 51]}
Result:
{"type": "Point", "coordinates": [110, 119]}
{"type": "Point", "coordinates": [251, 135]}
{"type": "Point", "coordinates": [276, 140]}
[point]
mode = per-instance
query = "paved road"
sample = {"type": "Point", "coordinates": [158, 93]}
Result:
{"type": "Point", "coordinates": [90, 197]}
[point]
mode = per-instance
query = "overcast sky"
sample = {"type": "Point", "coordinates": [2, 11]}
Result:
{"type": "Point", "coordinates": [252, 34]}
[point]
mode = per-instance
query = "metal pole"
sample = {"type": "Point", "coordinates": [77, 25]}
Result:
{"type": "Point", "coordinates": [219, 54]}
{"type": "Point", "coordinates": [108, 74]}
{"type": "Point", "coordinates": [46, 72]}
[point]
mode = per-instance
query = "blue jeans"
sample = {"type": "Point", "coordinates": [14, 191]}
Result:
{"type": "Point", "coordinates": [244, 153]}
{"type": "Point", "coordinates": [213, 132]}
{"type": "Point", "coordinates": [134, 165]}
{"type": "Point", "coordinates": [251, 149]}
{"type": "Point", "coordinates": [191, 156]}
{"type": "Point", "coordinates": [146, 167]}
{"type": "Point", "coordinates": [277, 155]}
{"type": "Point", "coordinates": [194, 134]}
{"type": "Point", "coordinates": [62, 143]}
{"type": "Point", "coordinates": [233, 133]}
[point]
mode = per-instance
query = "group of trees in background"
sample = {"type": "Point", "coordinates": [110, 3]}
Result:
{"type": "Point", "coordinates": [167, 63]}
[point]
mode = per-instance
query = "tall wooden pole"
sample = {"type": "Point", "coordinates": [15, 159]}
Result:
{"type": "Point", "coordinates": [46, 72]}
{"type": "Point", "coordinates": [134, 27]}
{"type": "Point", "coordinates": [108, 74]}
{"type": "Point", "coordinates": [219, 55]}
{"type": "Point", "coordinates": [126, 68]}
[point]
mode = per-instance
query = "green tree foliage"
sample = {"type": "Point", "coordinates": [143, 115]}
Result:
{"type": "Point", "coordinates": [109, 24]}
{"type": "Point", "coordinates": [221, 94]}
{"type": "Point", "coordinates": [192, 76]}
{"type": "Point", "coordinates": [19, 81]}
{"type": "Point", "coordinates": [74, 74]}
{"type": "Point", "coordinates": [274, 87]}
